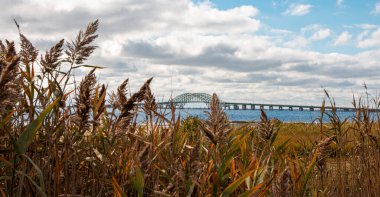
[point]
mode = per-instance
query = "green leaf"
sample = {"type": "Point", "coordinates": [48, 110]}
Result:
{"type": "Point", "coordinates": [138, 182]}
{"type": "Point", "coordinates": [223, 166]}
{"type": "Point", "coordinates": [42, 192]}
{"type": "Point", "coordinates": [226, 161]}
{"type": "Point", "coordinates": [281, 148]}
{"type": "Point", "coordinates": [308, 173]}
{"type": "Point", "coordinates": [27, 136]}
{"type": "Point", "coordinates": [232, 187]}
{"type": "Point", "coordinates": [7, 118]}
{"type": "Point", "coordinates": [38, 170]}
{"type": "Point", "coordinates": [89, 66]}
{"type": "Point", "coordinates": [253, 191]}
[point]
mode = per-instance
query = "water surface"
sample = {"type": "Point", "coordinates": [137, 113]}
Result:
{"type": "Point", "coordinates": [254, 115]}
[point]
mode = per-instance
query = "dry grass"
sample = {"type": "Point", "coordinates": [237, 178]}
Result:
{"type": "Point", "coordinates": [58, 139]}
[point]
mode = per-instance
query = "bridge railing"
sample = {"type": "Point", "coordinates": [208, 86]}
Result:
{"type": "Point", "coordinates": [258, 106]}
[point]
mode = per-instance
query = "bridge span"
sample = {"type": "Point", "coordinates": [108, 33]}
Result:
{"type": "Point", "coordinates": [181, 100]}
{"type": "Point", "coordinates": [254, 106]}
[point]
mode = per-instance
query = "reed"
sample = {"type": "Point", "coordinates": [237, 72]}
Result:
{"type": "Point", "coordinates": [59, 139]}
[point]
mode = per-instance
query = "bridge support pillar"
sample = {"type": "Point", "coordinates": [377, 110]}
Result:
{"type": "Point", "coordinates": [262, 107]}
{"type": "Point", "coordinates": [280, 108]}
{"type": "Point", "coordinates": [290, 108]}
{"type": "Point", "coordinates": [301, 108]}
{"type": "Point", "coordinates": [311, 108]}
{"type": "Point", "coordinates": [271, 108]}
{"type": "Point", "coordinates": [236, 107]}
{"type": "Point", "coordinates": [244, 107]}
{"type": "Point", "coordinates": [253, 107]}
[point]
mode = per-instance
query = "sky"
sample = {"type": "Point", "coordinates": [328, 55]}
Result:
{"type": "Point", "coordinates": [244, 50]}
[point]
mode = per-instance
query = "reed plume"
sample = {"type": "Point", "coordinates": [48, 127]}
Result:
{"type": "Point", "coordinates": [266, 128]}
{"type": "Point", "coordinates": [216, 124]}
{"type": "Point", "coordinates": [80, 49]}
{"type": "Point", "coordinates": [3, 50]}
{"type": "Point", "coordinates": [52, 58]}
{"type": "Point", "coordinates": [150, 104]}
{"type": "Point", "coordinates": [9, 79]}
{"type": "Point", "coordinates": [283, 185]}
{"type": "Point", "coordinates": [322, 150]}
{"type": "Point", "coordinates": [28, 52]}
{"type": "Point", "coordinates": [126, 115]}
{"type": "Point", "coordinates": [84, 101]}
{"type": "Point", "coordinates": [120, 97]}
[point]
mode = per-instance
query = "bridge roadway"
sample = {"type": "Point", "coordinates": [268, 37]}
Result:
{"type": "Point", "coordinates": [181, 100]}
{"type": "Point", "coordinates": [256, 106]}
{"type": "Point", "coordinates": [253, 106]}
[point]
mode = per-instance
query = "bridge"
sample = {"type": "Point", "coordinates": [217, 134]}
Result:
{"type": "Point", "coordinates": [181, 100]}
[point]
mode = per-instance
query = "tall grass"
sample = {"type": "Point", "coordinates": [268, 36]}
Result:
{"type": "Point", "coordinates": [59, 139]}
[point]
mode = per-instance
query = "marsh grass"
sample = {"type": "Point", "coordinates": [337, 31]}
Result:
{"type": "Point", "coordinates": [58, 139]}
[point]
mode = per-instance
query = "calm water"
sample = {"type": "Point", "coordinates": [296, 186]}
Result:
{"type": "Point", "coordinates": [254, 115]}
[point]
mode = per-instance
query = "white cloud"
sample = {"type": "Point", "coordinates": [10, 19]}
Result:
{"type": "Point", "coordinates": [366, 26]}
{"type": "Point", "coordinates": [111, 48]}
{"type": "Point", "coordinates": [197, 43]}
{"type": "Point", "coordinates": [367, 39]}
{"type": "Point", "coordinates": [310, 28]}
{"type": "Point", "coordinates": [298, 9]}
{"type": "Point", "coordinates": [321, 34]}
{"type": "Point", "coordinates": [316, 32]}
{"type": "Point", "coordinates": [362, 35]}
{"type": "Point", "coordinates": [297, 42]}
{"type": "Point", "coordinates": [339, 2]}
{"type": "Point", "coordinates": [343, 38]}
{"type": "Point", "coordinates": [376, 9]}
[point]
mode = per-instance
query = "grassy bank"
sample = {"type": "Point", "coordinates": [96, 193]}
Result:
{"type": "Point", "coordinates": [48, 149]}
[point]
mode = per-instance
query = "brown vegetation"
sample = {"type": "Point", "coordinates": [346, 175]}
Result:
{"type": "Point", "coordinates": [59, 139]}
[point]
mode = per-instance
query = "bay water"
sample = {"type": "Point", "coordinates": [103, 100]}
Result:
{"type": "Point", "coordinates": [254, 115]}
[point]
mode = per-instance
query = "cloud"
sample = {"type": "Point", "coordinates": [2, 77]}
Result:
{"type": "Point", "coordinates": [376, 9]}
{"type": "Point", "coordinates": [367, 39]}
{"type": "Point", "coordinates": [297, 42]}
{"type": "Point", "coordinates": [339, 2]}
{"type": "Point", "coordinates": [218, 53]}
{"type": "Point", "coordinates": [321, 34]}
{"type": "Point", "coordinates": [140, 18]}
{"type": "Point", "coordinates": [199, 48]}
{"type": "Point", "coordinates": [298, 9]}
{"type": "Point", "coordinates": [366, 26]}
{"type": "Point", "coordinates": [316, 32]}
{"type": "Point", "coordinates": [343, 38]}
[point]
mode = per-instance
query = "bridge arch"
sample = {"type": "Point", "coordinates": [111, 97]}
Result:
{"type": "Point", "coordinates": [185, 98]}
